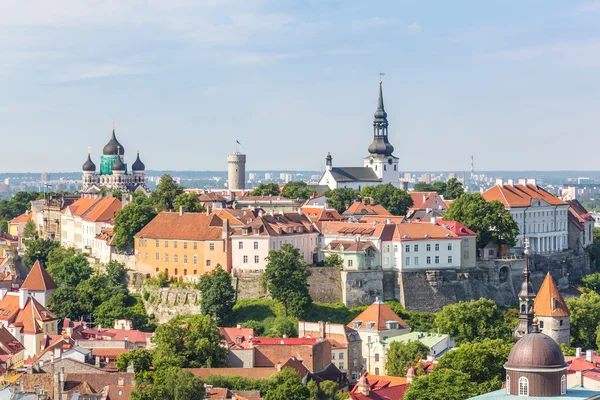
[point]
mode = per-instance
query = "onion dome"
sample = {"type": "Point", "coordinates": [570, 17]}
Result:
{"type": "Point", "coordinates": [138, 165]}
{"type": "Point", "coordinates": [380, 145]}
{"type": "Point", "coordinates": [88, 165]}
{"type": "Point", "coordinates": [118, 165]}
{"type": "Point", "coordinates": [535, 350]}
{"type": "Point", "coordinates": [113, 147]}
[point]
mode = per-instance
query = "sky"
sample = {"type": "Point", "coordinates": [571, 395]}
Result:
{"type": "Point", "coordinates": [515, 83]}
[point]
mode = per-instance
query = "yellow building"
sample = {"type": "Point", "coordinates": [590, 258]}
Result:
{"type": "Point", "coordinates": [184, 245]}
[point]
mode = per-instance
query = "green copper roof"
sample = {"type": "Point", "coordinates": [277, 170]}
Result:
{"type": "Point", "coordinates": [574, 393]}
{"type": "Point", "coordinates": [428, 339]}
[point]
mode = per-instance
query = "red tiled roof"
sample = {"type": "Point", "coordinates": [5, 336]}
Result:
{"type": "Point", "coordinates": [189, 226]}
{"type": "Point", "coordinates": [380, 387]}
{"type": "Point", "coordinates": [81, 206]}
{"type": "Point", "coordinates": [359, 208]}
{"type": "Point", "coordinates": [549, 302]}
{"type": "Point", "coordinates": [104, 210]}
{"type": "Point", "coordinates": [25, 217]}
{"type": "Point", "coordinates": [216, 393]}
{"type": "Point", "coordinates": [520, 195]}
{"type": "Point", "coordinates": [284, 341]}
{"type": "Point", "coordinates": [424, 200]}
{"type": "Point", "coordinates": [109, 352]}
{"type": "Point", "coordinates": [232, 335]}
{"type": "Point", "coordinates": [423, 231]}
{"type": "Point", "coordinates": [578, 215]}
{"type": "Point", "coordinates": [348, 245]}
{"type": "Point", "coordinates": [10, 345]}
{"type": "Point", "coordinates": [379, 313]}
{"type": "Point", "coordinates": [39, 279]}
{"type": "Point", "coordinates": [457, 228]}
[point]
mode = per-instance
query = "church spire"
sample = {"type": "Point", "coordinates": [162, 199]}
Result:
{"type": "Point", "coordinates": [526, 301]}
{"type": "Point", "coordinates": [380, 145]}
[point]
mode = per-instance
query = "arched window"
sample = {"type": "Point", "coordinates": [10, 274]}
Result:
{"type": "Point", "coordinates": [376, 357]}
{"type": "Point", "coordinates": [523, 386]}
{"type": "Point", "coordinates": [523, 308]}
{"type": "Point", "coordinates": [507, 384]}
{"type": "Point", "coordinates": [563, 385]}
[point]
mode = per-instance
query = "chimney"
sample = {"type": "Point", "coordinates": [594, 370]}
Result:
{"type": "Point", "coordinates": [510, 182]}
{"type": "Point", "coordinates": [578, 352]}
{"type": "Point", "coordinates": [284, 336]}
{"type": "Point", "coordinates": [239, 325]}
{"type": "Point", "coordinates": [181, 210]}
{"type": "Point", "coordinates": [522, 181]}
{"type": "Point", "coordinates": [532, 181]}
{"type": "Point", "coordinates": [589, 355]}
{"type": "Point", "coordinates": [23, 296]}
{"type": "Point", "coordinates": [410, 374]}
{"type": "Point", "coordinates": [97, 361]}
{"type": "Point", "coordinates": [434, 221]}
{"type": "Point", "coordinates": [499, 181]}
{"type": "Point", "coordinates": [121, 381]}
{"type": "Point", "coordinates": [225, 234]}
{"type": "Point", "coordinates": [322, 329]}
{"type": "Point", "coordinates": [363, 385]}
{"type": "Point", "coordinates": [279, 366]}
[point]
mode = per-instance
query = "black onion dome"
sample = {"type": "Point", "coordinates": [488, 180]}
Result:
{"type": "Point", "coordinates": [88, 165]}
{"type": "Point", "coordinates": [113, 147]}
{"type": "Point", "coordinates": [380, 145]}
{"type": "Point", "coordinates": [118, 165]}
{"type": "Point", "coordinates": [536, 350]}
{"type": "Point", "coordinates": [138, 165]}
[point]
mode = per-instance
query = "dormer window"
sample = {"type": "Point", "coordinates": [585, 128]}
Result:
{"type": "Point", "coordinates": [290, 230]}
{"type": "Point", "coordinates": [357, 324]}
{"type": "Point", "coordinates": [371, 325]}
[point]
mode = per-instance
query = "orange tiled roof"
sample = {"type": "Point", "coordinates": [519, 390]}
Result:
{"type": "Point", "coordinates": [547, 297]}
{"type": "Point", "coordinates": [104, 210]}
{"type": "Point", "coordinates": [25, 217]}
{"type": "Point", "coordinates": [350, 245]}
{"type": "Point", "coordinates": [316, 213]}
{"type": "Point", "coordinates": [30, 318]}
{"type": "Point", "coordinates": [378, 312]}
{"type": "Point", "coordinates": [189, 226]}
{"type": "Point", "coordinates": [39, 279]}
{"type": "Point", "coordinates": [423, 200]}
{"type": "Point", "coordinates": [520, 195]}
{"type": "Point", "coordinates": [423, 231]}
{"type": "Point", "coordinates": [81, 206]}
{"type": "Point", "coordinates": [351, 229]}
{"type": "Point", "coordinates": [10, 345]}
{"type": "Point", "coordinates": [373, 209]}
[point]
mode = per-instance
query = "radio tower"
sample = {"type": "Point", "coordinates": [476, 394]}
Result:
{"type": "Point", "coordinates": [472, 170]}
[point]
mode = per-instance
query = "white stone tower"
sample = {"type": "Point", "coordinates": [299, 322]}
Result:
{"type": "Point", "coordinates": [236, 171]}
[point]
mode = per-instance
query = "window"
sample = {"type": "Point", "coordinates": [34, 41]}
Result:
{"type": "Point", "coordinates": [376, 371]}
{"type": "Point", "coordinates": [376, 357]}
{"type": "Point", "coordinates": [341, 356]}
{"type": "Point", "coordinates": [176, 272]}
{"type": "Point", "coordinates": [541, 324]}
{"type": "Point", "coordinates": [561, 322]}
{"type": "Point", "coordinates": [395, 247]}
{"type": "Point", "coordinates": [449, 259]}
{"type": "Point", "coordinates": [507, 384]}
{"type": "Point", "coordinates": [437, 259]}
{"type": "Point", "coordinates": [333, 356]}
{"type": "Point", "coordinates": [523, 386]}
{"type": "Point", "coordinates": [185, 259]}
{"type": "Point", "coordinates": [195, 260]}
{"type": "Point", "coordinates": [428, 247]}
{"type": "Point", "coordinates": [256, 259]}
{"type": "Point", "coordinates": [157, 256]}
{"type": "Point", "coordinates": [563, 385]}
{"type": "Point", "coordinates": [241, 245]}
{"type": "Point", "coordinates": [450, 246]}
{"type": "Point", "coordinates": [416, 260]}
{"type": "Point", "coordinates": [245, 260]}
{"type": "Point", "coordinates": [208, 263]}
{"type": "Point", "coordinates": [407, 261]}
{"type": "Point", "coordinates": [437, 247]}
{"type": "Point", "coordinates": [407, 248]}
{"type": "Point", "coordinates": [146, 256]}
{"type": "Point", "coordinates": [349, 263]}
{"type": "Point", "coordinates": [416, 247]}
{"type": "Point", "coordinates": [428, 259]}
{"type": "Point", "coordinates": [195, 272]}
{"type": "Point", "coordinates": [175, 258]}
{"type": "Point", "coordinates": [211, 246]}
{"type": "Point", "coordinates": [185, 271]}
{"type": "Point", "coordinates": [157, 243]}
{"type": "Point", "coordinates": [166, 258]}
{"type": "Point", "coordinates": [175, 244]}
{"type": "Point", "coordinates": [195, 245]}
{"type": "Point", "coordinates": [255, 245]}
{"type": "Point", "coordinates": [166, 244]}
{"type": "Point", "coordinates": [341, 367]}
{"type": "Point", "coordinates": [185, 245]}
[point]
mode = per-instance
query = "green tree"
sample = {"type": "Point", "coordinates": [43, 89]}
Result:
{"type": "Point", "coordinates": [38, 250]}
{"type": "Point", "coordinates": [395, 200]}
{"type": "Point", "coordinates": [129, 221]}
{"type": "Point", "coordinates": [287, 278]}
{"type": "Point", "coordinates": [454, 189]}
{"type": "Point", "coordinates": [165, 193]}
{"type": "Point", "coordinates": [474, 320]}
{"type": "Point", "coordinates": [341, 198]}
{"type": "Point", "coordinates": [296, 190]}
{"type": "Point", "coordinates": [116, 273]}
{"type": "Point", "coordinates": [141, 359]}
{"type": "Point", "coordinates": [402, 356]}
{"type": "Point", "coordinates": [121, 306]}
{"type": "Point", "coordinates": [283, 326]}
{"type": "Point", "coordinates": [71, 271]}
{"type": "Point", "coordinates": [591, 282]}
{"type": "Point", "coordinates": [170, 383]}
{"type": "Point", "coordinates": [117, 194]}
{"type": "Point", "coordinates": [442, 384]}
{"type": "Point", "coordinates": [334, 260]}
{"type": "Point", "coordinates": [490, 220]}
{"type": "Point", "coordinates": [189, 201]}
{"type": "Point", "coordinates": [58, 255]}
{"type": "Point", "coordinates": [328, 390]}
{"type": "Point", "coordinates": [423, 187]}
{"type": "Point", "coordinates": [29, 231]}
{"type": "Point", "coordinates": [286, 385]}
{"type": "Point", "coordinates": [482, 361]}
{"type": "Point", "coordinates": [191, 341]}
{"type": "Point", "coordinates": [218, 295]}
{"type": "Point", "coordinates": [313, 390]}
{"type": "Point", "coordinates": [585, 314]}
{"type": "Point", "coordinates": [266, 189]}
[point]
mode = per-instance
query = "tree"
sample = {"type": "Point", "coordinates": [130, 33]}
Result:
{"type": "Point", "coordinates": [266, 189]}
{"type": "Point", "coordinates": [189, 202]}
{"type": "Point", "coordinates": [38, 250]}
{"type": "Point", "coordinates": [286, 385]}
{"type": "Point", "coordinates": [168, 384]}
{"type": "Point", "coordinates": [129, 221]}
{"type": "Point", "coordinates": [423, 187]}
{"type": "Point", "coordinates": [121, 306]}
{"type": "Point", "coordinates": [283, 326]}
{"type": "Point", "coordinates": [334, 260]}
{"type": "Point", "coordinates": [117, 194]}
{"type": "Point", "coordinates": [482, 361]}
{"type": "Point", "coordinates": [473, 320]}
{"type": "Point", "coordinates": [296, 190]}
{"type": "Point", "coordinates": [287, 278]}
{"type": "Point", "coordinates": [141, 359]}
{"type": "Point", "coordinates": [442, 384]}
{"type": "Point", "coordinates": [218, 295]}
{"type": "Point", "coordinates": [190, 341]}
{"type": "Point", "coordinates": [402, 356]}
{"type": "Point", "coordinates": [116, 273]}
{"type": "Point", "coordinates": [165, 193]}
{"type": "Point", "coordinates": [29, 231]}
{"type": "Point", "coordinates": [328, 390]}
{"type": "Point", "coordinates": [71, 271]}
{"type": "Point", "coordinates": [395, 200]}
{"type": "Point", "coordinates": [490, 220]}
{"type": "Point", "coordinates": [585, 314]}
{"type": "Point", "coordinates": [454, 189]}
{"type": "Point", "coordinates": [341, 198]}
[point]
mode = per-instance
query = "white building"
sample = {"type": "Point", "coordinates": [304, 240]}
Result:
{"type": "Point", "coordinates": [541, 216]}
{"type": "Point", "coordinates": [379, 167]}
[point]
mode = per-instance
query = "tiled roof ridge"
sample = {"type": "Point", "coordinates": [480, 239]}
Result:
{"type": "Point", "coordinates": [543, 303]}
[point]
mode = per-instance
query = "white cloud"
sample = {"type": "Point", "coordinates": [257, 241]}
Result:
{"type": "Point", "coordinates": [589, 6]}
{"type": "Point", "coordinates": [413, 28]}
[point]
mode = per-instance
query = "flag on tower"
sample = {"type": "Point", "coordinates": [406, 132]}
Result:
{"type": "Point", "coordinates": [238, 142]}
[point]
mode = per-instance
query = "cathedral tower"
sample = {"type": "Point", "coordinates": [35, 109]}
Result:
{"type": "Point", "coordinates": [526, 299]}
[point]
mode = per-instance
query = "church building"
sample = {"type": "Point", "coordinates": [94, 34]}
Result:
{"type": "Point", "coordinates": [379, 167]}
{"type": "Point", "coordinates": [113, 174]}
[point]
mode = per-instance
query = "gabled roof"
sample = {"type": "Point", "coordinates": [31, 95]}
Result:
{"type": "Point", "coordinates": [9, 345]}
{"type": "Point", "coordinates": [424, 200]}
{"type": "Point", "coordinates": [354, 174]}
{"type": "Point", "coordinates": [189, 226]}
{"type": "Point", "coordinates": [25, 217]}
{"type": "Point", "coordinates": [103, 210]}
{"type": "Point", "coordinates": [379, 313]}
{"type": "Point", "coordinates": [320, 213]}
{"type": "Point", "coordinates": [81, 206]}
{"type": "Point", "coordinates": [350, 245]}
{"type": "Point", "coordinates": [520, 195]}
{"type": "Point", "coordinates": [549, 302]}
{"type": "Point", "coordinates": [578, 215]}
{"type": "Point", "coordinates": [39, 279]}
{"type": "Point", "coordinates": [422, 231]}
{"type": "Point", "coordinates": [237, 338]}
{"type": "Point", "coordinates": [359, 208]}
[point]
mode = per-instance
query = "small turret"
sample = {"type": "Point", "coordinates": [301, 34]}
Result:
{"type": "Point", "coordinates": [328, 162]}
{"type": "Point", "coordinates": [138, 165]}
{"type": "Point", "coordinates": [526, 299]}
{"type": "Point", "coordinates": [89, 166]}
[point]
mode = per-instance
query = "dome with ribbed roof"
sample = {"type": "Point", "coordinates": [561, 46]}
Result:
{"type": "Point", "coordinates": [536, 350]}
{"type": "Point", "coordinates": [138, 165]}
{"type": "Point", "coordinates": [88, 165]}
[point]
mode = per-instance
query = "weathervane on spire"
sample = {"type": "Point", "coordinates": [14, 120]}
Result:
{"type": "Point", "coordinates": [380, 75]}
{"type": "Point", "coordinates": [89, 150]}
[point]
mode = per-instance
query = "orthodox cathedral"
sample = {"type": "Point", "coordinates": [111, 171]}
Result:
{"type": "Point", "coordinates": [113, 173]}
{"type": "Point", "coordinates": [379, 167]}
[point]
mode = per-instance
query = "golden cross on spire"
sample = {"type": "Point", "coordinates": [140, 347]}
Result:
{"type": "Point", "coordinates": [89, 150]}
{"type": "Point", "coordinates": [113, 123]}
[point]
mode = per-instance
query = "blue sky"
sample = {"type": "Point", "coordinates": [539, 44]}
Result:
{"type": "Point", "coordinates": [514, 83]}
